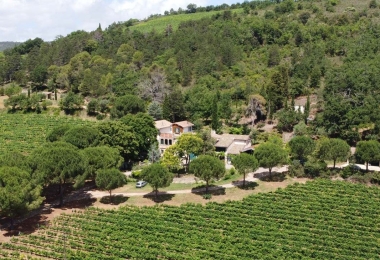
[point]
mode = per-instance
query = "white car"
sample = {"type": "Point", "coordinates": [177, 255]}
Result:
{"type": "Point", "coordinates": [141, 184]}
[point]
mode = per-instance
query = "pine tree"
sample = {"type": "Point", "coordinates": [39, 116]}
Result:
{"type": "Point", "coordinates": [173, 106]}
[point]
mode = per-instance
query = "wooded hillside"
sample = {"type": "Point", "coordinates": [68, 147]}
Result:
{"type": "Point", "coordinates": [249, 60]}
{"type": "Point", "coordinates": [8, 45]}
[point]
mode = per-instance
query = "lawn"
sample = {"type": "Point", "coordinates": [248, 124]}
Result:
{"type": "Point", "coordinates": [160, 23]}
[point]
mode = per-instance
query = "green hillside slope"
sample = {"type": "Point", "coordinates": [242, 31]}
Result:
{"type": "Point", "coordinates": [159, 24]}
{"type": "Point", "coordinates": [216, 63]}
{"type": "Point", "coordinates": [8, 45]}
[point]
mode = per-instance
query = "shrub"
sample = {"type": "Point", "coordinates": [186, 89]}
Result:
{"type": "Point", "coordinates": [207, 196]}
{"type": "Point", "coordinates": [136, 174]}
{"type": "Point", "coordinates": [227, 177]}
{"type": "Point", "coordinates": [269, 15]}
{"type": "Point", "coordinates": [100, 116]}
{"type": "Point", "coordinates": [232, 171]}
{"type": "Point", "coordinates": [360, 178]}
{"type": "Point", "coordinates": [349, 170]}
{"type": "Point", "coordinates": [315, 168]}
{"type": "Point", "coordinates": [373, 4]}
{"type": "Point", "coordinates": [296, 169]}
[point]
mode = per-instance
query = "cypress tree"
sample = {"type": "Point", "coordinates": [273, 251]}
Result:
{"type": "Point", "coordinates": [214, 114]}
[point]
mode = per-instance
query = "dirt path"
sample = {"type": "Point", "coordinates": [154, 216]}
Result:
{"type": "Point", "coordinates": [251, 177]}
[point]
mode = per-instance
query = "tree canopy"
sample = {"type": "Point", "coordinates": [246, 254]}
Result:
{"type": "Point", "coordinates": [109, 179]}
{"type": "Point", "coordinates": [368, 151]}
{"type": "Point", "coordinates": [100, 157]}
{"type": "Point", "coordinates": [207, 168]}
{"type": "Point", "coordinates": [269, 155]}
{"type": "Point", "coordinates": [245, 163]}
{"type": "Point", "coordinates": [301, 147]}
{"type": "Point", "coordinates": [19, 194]}
{"type": "Point", "coordinates": [157, 176]}
{"type": "Point", "coordinates": [57, 163]}
{"type": "Point", "coordinates": [189, 144]}
{"type": "Point", "coordinates": [334, 149]}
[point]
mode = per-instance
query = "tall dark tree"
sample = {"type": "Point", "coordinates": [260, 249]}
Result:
{"type": "Point", "coordinates": [215, 124]}
{"type": "Point", "coordinates": [173, 106]}
{"type": "Point", "coordinates": [278, 87]}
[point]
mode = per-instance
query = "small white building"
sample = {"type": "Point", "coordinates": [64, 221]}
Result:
{"type": "Point", "coordinates": [301, 109]}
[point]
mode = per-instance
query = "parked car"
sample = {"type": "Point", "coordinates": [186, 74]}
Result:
{"type": "Point", "coordinates": [141, 184]}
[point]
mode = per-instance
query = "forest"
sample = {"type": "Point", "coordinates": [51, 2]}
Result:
{"type": "Point", "coordinates": [249, 59]}
{"type": "Point", "coordinates": [235, 69]}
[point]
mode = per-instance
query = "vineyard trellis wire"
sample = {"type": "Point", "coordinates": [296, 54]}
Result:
{"type": "Point", "coordinates": [25, 132]}
{"type": "Point", "coordinates": [321, 219]}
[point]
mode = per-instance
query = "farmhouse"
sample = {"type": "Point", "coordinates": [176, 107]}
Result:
{"type": "Point", "coordinates": [232, 144]}
{"type": "Point", "coordinates": [168, 132]}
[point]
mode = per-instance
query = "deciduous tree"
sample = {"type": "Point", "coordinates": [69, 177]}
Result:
{"type": "Point", "coordinates": [100, 157]}
{"type": "Point", "coordinates": [118, 135]}
{"type": "Point", "coordinates": [171, 159]}
{"type": "Point", "coordinates": [189, 144]}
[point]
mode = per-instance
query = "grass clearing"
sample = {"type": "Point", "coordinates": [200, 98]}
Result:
{"type": "Point", "coordinates": [159, 24]}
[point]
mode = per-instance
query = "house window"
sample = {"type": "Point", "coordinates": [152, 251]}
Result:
{"type": "Point", "coordinates": [170, 142]}
{"type": "Point", "coordinates": [177, 130]}
{"type": "Point", "coordinates": [166, 141]}
{"type": "Point", "coordinates": [162, 141]}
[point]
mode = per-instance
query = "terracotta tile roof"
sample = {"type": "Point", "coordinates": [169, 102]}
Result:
{"type": "Point", "coordinates": [184, 124]}
{"type": "Point", "coordinates": [162, 124]}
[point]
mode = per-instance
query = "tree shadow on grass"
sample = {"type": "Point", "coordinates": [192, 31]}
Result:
{"type": "Point", "coordinates": [78, 200]}
{"type": "Point", "coordinates": [161, 196]}
{"type": "Point", "coordinates": [212, 189]}
{"type": "Point", "coordinates": [249, 185]}
{"type": "Point", "coordinates": [29, 225]}
{"type": "Point", "coordinates": [116, 199]}
{"type": "Point", "coordinates": [274, 177]}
